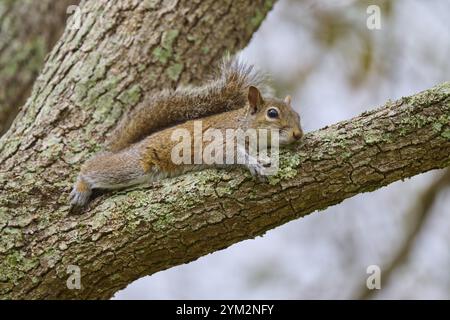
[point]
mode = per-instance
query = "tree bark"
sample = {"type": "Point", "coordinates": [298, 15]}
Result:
{"type": "Point", "coordinates": [28, 30]}
{"type": "Point", "coordinates": [124, 50]}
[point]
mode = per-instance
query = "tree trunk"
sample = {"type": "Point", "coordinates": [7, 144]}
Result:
{"type": "Point", "coordinates": [28, 30]}
{"type": "Point", "coordinates": [124, 50]}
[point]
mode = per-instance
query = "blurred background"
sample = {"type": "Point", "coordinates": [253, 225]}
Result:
{"type": "Point", "coordinates": [323, 54]}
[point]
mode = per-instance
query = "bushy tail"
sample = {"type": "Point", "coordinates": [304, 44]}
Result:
{"type": "Point", "coordinates": [235, 72]}
{"type": "Point", "coordinates": [227, 91]}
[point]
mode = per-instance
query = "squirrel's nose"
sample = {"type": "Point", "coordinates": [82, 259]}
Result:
{"type": "Point", "coordinates": [297, 134]}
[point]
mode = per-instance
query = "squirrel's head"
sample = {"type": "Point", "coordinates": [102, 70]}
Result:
{"type": "Point", "coordinates": [274, 114]}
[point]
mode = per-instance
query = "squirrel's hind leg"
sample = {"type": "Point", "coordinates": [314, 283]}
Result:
{"type": "Point", "coordinates": [108, 171]}
{"type": "Point", "coordinates": [80, 194]}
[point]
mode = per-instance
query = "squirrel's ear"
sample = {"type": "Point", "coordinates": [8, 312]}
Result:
{"type": "Point", "coordinates": [255, 99]}
{"type": "Point", "coordinates": [288, 100]}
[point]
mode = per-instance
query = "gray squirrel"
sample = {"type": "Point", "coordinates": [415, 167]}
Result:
{"type": "Point", "coordinates": [140, 148]}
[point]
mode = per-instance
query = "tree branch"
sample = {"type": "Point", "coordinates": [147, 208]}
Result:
{"type": "Point", "coordinates": [123, 51]}
{"type": "Point", "coordinates": [29, 29]}
{"type": "Point", "coordinates": [92, 74]}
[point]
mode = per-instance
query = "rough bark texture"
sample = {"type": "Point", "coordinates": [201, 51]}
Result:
{"type": "Point", "coordinates": [107, 65]}
{"type": "Point", "coordinates": [28, 30]}
{"type": "Point", "coordinates": [123, 50]}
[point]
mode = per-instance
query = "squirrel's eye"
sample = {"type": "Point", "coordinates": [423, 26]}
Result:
{"type": "Point", "coordinates": [272, 113]}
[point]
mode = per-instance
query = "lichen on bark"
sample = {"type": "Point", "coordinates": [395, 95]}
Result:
{"type": "Point", "coordinates": [91, 77]}
{"type": "Point", "coordinates": [29, 29]}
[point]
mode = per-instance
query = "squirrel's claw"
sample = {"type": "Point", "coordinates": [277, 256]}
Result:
{"type": "Point", "coordinates": [79, 199]}
{"type": "Point", "coordinates": [259, 170]}
{"type": "Point", "coordinates": [79, 196]}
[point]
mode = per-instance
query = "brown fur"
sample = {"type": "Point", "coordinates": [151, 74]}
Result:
{"type": "Point", "coordinates": [227, 92]}
{"type": "Point", "coordinates": [160, 142]}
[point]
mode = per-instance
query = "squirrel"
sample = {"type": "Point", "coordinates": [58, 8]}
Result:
{"type": "Point", "coordinates": [225, 92]}
{"type": "Point", "coordinates": [142, 147]}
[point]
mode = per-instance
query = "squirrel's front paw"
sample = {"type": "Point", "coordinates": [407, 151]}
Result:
{"type": "Point", "coordinates": [80, 194]}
